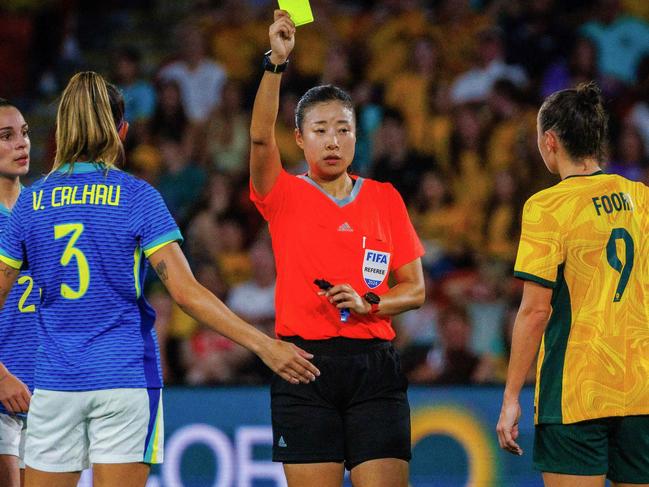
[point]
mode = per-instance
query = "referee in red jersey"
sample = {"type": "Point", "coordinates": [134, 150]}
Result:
{"type": "Point", "coordinates": [337, 240]}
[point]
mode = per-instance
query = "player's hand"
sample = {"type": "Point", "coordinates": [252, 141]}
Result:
{"type": "Point", "coordinates": [14, 395]}
{"type": "Point", "coordinates": [290, 362]}
{"type": "Point", "coordinates": [282, 37]}
{"type": "Point", "coordinates": [507, 428]}
{"type": "Point", "coordinates": [344, 296]}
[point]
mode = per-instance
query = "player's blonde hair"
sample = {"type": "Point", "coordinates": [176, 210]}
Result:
{"type": "Point", "coordinates": [86, 122]}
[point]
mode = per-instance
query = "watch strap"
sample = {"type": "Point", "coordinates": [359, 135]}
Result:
{"type": "Point", "coordinates": [272, 67]}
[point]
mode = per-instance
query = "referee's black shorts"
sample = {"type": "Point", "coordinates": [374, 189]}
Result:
{"type": "Point", "coordinates": [357, 410]}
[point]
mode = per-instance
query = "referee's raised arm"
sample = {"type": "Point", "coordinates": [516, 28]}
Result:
{"type": "Point", "coordinates": [265, 163]}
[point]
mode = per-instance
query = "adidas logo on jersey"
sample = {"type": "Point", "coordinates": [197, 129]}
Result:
{"type": "Point", "coordinates": [345, 227]}
{"type": "Point", "coordinates": [281, 443]}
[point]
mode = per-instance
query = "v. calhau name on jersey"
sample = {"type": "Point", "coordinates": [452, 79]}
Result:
{"type": "Point", "coordinates": [88, 194]}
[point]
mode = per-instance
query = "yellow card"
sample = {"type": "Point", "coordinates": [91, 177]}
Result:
{"type": "Point", "coordinates": [300, 10]}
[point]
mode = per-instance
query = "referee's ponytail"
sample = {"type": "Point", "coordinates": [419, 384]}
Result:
{"type": "Point", "coordinates": [87, 122]}
{"type": "Point", "coordinates": [579, 119]}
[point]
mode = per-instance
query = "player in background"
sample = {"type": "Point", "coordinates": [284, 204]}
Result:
{"type": "Point", "coordinates": [18, 334]}
{"type": "Point", "coordinates": [337, 238]}
{"type": "Point", "coordinates": [87, 230]}
{"type": "Point", "coordinates": [584, 257]}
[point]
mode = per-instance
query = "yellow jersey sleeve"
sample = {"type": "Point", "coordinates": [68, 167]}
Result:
{"type": "Point", "coordinates": [540, 251]}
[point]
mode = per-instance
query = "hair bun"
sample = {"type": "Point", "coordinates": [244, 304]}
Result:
{"type": "Point", "coordinates": [589, 93]}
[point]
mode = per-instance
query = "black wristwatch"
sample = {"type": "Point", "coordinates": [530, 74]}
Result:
{"type": "Point", "coordinates": [272, 67]}
{"type": "Point", "coordinates": [374, 300]}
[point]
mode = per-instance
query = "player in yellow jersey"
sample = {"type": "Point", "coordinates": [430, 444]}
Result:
{"type": "Point", "coordinates": [585, 308]}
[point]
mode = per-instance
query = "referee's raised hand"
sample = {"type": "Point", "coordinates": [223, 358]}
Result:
{"type": "Point", "coordinates": [290, 362]}
{"type": "Point", "coordinates": [282, 37]}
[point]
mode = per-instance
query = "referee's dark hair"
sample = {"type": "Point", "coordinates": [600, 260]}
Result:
{"type": "Point", "coordinates": [6, 103]}
{"type": "Point", "coordinates": [320, 94]}
{"type": "Point", "coordinates": [579, 119]}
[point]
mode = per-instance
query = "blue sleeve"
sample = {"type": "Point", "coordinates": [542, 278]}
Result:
{"type": "Point", "coordinates": [151, 222]}
{"type": "Point", "coordinates": [13, 236]}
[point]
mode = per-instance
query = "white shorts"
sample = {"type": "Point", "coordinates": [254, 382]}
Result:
{"type": "Point", "coordinates": [12, 436]}
{"type": "Point", "coordinates": [69, 431]}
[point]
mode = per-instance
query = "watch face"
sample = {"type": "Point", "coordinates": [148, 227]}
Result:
{"type": "Point", "coordinates": [372, 298]}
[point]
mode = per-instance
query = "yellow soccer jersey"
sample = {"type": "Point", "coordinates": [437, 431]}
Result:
{"type": "Point", "coordinates": [587, 238]}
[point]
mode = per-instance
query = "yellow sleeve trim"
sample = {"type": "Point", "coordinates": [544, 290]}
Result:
{"type": "Point", "coordinates": [16, 264]}
{"type": "Point", "coordinates": [154, 249]}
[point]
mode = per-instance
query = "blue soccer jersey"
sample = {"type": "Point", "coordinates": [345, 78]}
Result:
{"type": "Point", "coordinates": [84, 233]}
{"type": "Point", "coordinates": [18, 330]}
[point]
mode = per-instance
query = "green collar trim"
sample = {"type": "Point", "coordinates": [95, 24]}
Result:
{"type": "Point", "coordinates": [596, 173]}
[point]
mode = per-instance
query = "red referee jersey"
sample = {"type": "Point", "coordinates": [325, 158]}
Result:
{"type": "Point", "coordinates": [358, 241]}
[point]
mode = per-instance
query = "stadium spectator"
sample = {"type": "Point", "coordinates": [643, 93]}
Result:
{"type": "Point", "coordinates": [394, 160]}
{"type": "Point", "coordinates": [226, 136]}
{"type": "Point", "coordinates": [457, 27]}
{"type": "Point", "coordinates": [169, 120]}
{"type": "Point", "coordinates": [200, 79]}
{"type": "Point", "coordinates": [475, 84]}
{"type": "Point", "coordinates": [369, 113]}
{"type": "Point", "coordinates": [468, 162]}
{"type": "Point", "coordinates": [451, 360]}
{"type": "Point", "coordinates": [540, 27]}
{"type": "Point", "coordinates": [232, 258]}
{"type": "Point", "coordinates": [443, 225]}
{"type": "Point", "coordinates": [203, 242]}
{"type": "Point", "coordinates": [209, 357]}
{"type": "Point", "coordinates": [622, 40]}
{"type": "Point", "coordinates": [139, 94]}
{"type": "Point", "coordinates": [629, 157]}
{"type": "Point", "coordinates": [254, 299]}
{"type": "Point", "coordinates": [580, 67]}
{"type": "Point", "coordinates": [512, 121]}
{"type": "Point", "coordinates": [501, 218]}
{"type": "Point", "coordinates": [409, 91]}
{"type": "Point", "coordinates": [180, 181]}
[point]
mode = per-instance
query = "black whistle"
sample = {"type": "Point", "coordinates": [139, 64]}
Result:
{"type": "Point", "coordinates": [325, 286]}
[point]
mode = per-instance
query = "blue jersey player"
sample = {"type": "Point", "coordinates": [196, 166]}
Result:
{"type": "Point", "coordinates": [18, 339]}
{"type": "Point", "coordinates": [87, 230]}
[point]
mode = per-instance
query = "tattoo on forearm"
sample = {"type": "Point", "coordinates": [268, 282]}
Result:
{"type": "Point", "coordinates": [161, 269]}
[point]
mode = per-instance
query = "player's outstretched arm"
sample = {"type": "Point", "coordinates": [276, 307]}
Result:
{"type": "Point", "coordinates": [14, 395]}
{"type": "Point", "coordinates": [531, 320]}
{"type": "Point", "coordinates": [265, 163]}
{"type": "Point", "coordinates": [285, 359]}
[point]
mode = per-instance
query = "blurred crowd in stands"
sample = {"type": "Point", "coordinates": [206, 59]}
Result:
{"type": "Point", "coordinates": [446, 94]}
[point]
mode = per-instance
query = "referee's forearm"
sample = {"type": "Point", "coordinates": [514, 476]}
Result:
{"type": "Point", "coordinates": [264, 110]}
{"type": "Point", "coordinates": [402, 297]}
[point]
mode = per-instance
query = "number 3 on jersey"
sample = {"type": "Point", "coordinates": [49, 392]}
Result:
{"type": "Point", "coordinates": [614, 260]}
{"type": "Point", "coordinates": [76, 229]}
